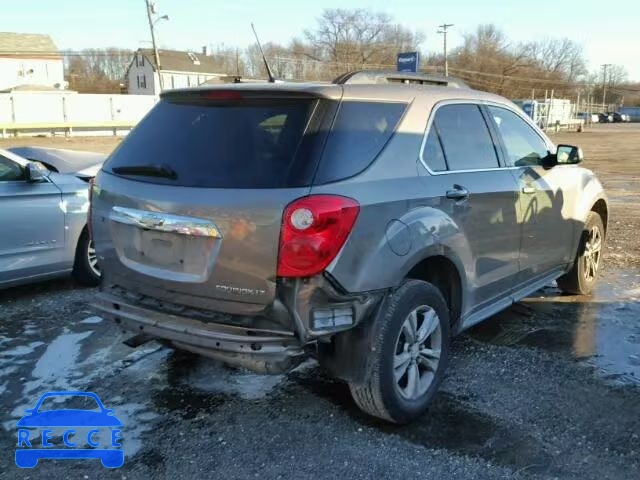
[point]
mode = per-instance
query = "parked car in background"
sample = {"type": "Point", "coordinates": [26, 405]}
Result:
{"type": "Point", "coordinates": [43, 215]}
{"type": "Point", "coordinates": [619, 117]}
{"type": "Point", "coordinates": [605, 118]}
{"type": "Point", "coordinates": [64, 161]}
{"type": "Point", "coordinates": [589, 117]}
{"type": "Point", "coordinates": [363, 222]}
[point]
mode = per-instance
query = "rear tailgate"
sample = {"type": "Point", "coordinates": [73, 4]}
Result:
{"type": "Point", "coordinates": [190, 205]}
{"type": "Point", "coordinates": [215, 244]}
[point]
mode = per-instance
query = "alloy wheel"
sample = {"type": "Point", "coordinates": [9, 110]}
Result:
{"type": "Point", "coordinates": [92, 257]}
{"type": "Point", "coordinates": [592, 254]}
{"type": "Point", "coordinates": [417, 352]}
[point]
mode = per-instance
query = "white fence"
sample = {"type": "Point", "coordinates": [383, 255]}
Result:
{"type": "Point", "coordinates": [35, 113]}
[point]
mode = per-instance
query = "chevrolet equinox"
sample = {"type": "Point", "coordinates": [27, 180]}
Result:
{"type": "Point", "coordinates": [362, 222]}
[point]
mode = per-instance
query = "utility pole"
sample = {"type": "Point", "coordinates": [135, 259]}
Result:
{"type": "Point", "coordinates": [604, 66]}
{"type": "Point", "coordinates": [150, 12]}
{"type": "Point", "coordinates": [443, 31]}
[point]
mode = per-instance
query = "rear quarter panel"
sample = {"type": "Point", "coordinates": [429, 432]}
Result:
{"type": "Point", "coordinates": [399, 224]}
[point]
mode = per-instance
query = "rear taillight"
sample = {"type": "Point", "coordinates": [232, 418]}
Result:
{"type": "Point", "coordinates": [314, 230]}
{"type": "Point", "coordinates": [91, 183]}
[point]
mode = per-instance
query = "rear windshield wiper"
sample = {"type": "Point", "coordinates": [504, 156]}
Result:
{"type": "Point", "coordinates": [163, 171]}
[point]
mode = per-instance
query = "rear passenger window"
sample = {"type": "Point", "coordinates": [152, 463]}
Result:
{"type": "Point", "coordinates": [359, 133]}
{"type": "Point", "coordinates": [465, 137]}
{"type": "Point", "coordinates": [433, 154]}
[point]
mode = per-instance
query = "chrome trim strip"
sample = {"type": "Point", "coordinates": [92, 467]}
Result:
{"type": "Point", "coordinates": [165, 222]}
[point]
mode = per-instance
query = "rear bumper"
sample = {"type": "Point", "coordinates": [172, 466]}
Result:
{"type": "Point", "coordinates": [266, 351]}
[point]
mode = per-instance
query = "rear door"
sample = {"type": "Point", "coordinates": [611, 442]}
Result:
{"type": "Point", "coordinates": [478, 195]}
{"type": "Point", "coordinates": [544, 196]}
{"type": "Point", "coordinates": [189, 207]}
{"type": "Point", "coordinates": [32, 220]}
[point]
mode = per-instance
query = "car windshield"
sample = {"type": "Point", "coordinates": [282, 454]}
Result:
{"type": "Point", "coordinates": [69, 402]}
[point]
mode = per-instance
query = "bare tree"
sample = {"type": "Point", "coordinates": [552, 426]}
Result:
{"type": "Point", "coordinates": [97, 70]}
{"type": "Point", "coordinates": [489, 61]}
{"type": "Point", "coordinates": [563, 57]}
{"type": "Point", "coordinates": [358, 37]}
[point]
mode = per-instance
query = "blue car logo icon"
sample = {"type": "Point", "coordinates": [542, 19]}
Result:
{"type": "Point", "coordinates": [27, 457]}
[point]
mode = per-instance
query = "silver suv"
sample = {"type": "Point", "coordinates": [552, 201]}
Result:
{"type": "Point", "coordinates": [363, 222]}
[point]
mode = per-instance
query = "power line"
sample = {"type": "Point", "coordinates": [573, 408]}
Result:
{"type": "Point", "coordinates": [444, 28]}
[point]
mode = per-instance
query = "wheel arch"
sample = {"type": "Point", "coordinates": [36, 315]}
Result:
{"type": "Point", "coordinates": [444, 273]}
{"type": "Point", "coordinates": [601, 208]}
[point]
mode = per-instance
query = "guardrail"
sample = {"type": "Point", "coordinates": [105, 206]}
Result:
{"type": "Point", "coordinates": [65, 127]}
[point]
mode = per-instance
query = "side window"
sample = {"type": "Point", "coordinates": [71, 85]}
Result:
{"type": "Point", "coordinates": [524, 146]}
{"type": "Point", "coordinates": [433, 154]}
{"type": "Point", "coordinates": [359, 133]}
{"type": "Point", "coordinates": [10, 170]}
{"type": "Point", "coordinates": [465, 137]}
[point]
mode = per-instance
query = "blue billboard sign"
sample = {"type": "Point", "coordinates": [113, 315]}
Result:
{"type": "Point", "coordinates": [408, 62]}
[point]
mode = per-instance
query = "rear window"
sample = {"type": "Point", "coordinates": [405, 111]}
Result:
{"type": "Point", "coordinates": [359, 133]}
{"type": "Point", "coordinates": [240, 144]}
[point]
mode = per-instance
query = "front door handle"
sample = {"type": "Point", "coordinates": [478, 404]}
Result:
{"type": "Point", "coordinates": [458, 193]}
{"type": "Point", "coordinates": [528, 190]}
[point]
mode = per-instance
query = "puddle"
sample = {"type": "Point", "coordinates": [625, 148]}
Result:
{"type": "Point", "coordinates": [197, 384]}
{"type": "Point", "coordinates": [602, 330]}
{"type": "Point", "coordinates": [448, 424]}
{"type": "Point", "coordinates": [136, 419]}
{"type": "Point", "coordinates": [212, 377]}
{"type": "Point", "coordinates": [91, 320]}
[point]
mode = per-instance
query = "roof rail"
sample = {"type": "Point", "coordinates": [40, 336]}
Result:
{"type": "Point", "coordinates": [389, 76]}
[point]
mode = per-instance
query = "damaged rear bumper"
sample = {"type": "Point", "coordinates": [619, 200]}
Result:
{"type": "Point", "coordinates": [306, 311]}
{"type": "Point", "coordinates": [264, 351]}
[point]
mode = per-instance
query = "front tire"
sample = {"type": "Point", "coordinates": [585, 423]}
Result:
{"type": "Point", "coordinates": [85, 266]}
{"type": "Point", "coordinates": [582, 277]}
{"type": "Point", "coordinates": [408, 354]}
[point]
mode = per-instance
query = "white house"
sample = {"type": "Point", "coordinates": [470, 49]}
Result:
{"type": "Point", "coordinates": [29, 59]}
{"type": "Point", "coordinates": [178, 70]}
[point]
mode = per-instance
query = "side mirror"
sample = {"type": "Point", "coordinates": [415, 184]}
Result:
{"type": "Point", "coordinates": [35, 172]}
{"type": "Point", "coordinates": [568, 155]}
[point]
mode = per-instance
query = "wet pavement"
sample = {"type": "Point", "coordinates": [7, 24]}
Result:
{"type": "Point", "coordinates": [602, 330]}
{"type": "Point", "coordinates": [549, 388]}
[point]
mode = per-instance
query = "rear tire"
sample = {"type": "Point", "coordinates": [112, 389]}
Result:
{"type": "Point", "coordinates": [407, 358]}
{"type": "Point", "coordinates": [85, 268]}
{"type": "Point", "coordinates": [582, 277]}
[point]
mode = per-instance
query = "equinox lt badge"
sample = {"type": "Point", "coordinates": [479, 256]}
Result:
{"type": "Point", "coordinates": [240, 291]}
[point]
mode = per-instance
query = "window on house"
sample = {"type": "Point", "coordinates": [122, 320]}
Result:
{"type": "Point", "coordinates": [138, 78]}
{"type": "Point", "coordinates": [193, 58]}
{"type": "Point", "coordinates": [144, 81]}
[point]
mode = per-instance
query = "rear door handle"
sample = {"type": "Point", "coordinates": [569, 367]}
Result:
{"type": "Point", "coordinates": [458, 193]}
{"type": "Point", "coordinates": [528, 190]}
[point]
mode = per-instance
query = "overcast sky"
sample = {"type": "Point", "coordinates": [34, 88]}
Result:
{"type": "Point", "coordinates": [609, 31]}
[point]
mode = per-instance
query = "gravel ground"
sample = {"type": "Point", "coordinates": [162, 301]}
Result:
{"type": "Point", "coordinates": [550, 388]}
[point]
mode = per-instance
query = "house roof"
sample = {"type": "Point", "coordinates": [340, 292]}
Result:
{"type": "Point", "coordinates": [27, 45]}
{"type": "Point", "coordinates": [177, 61]}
